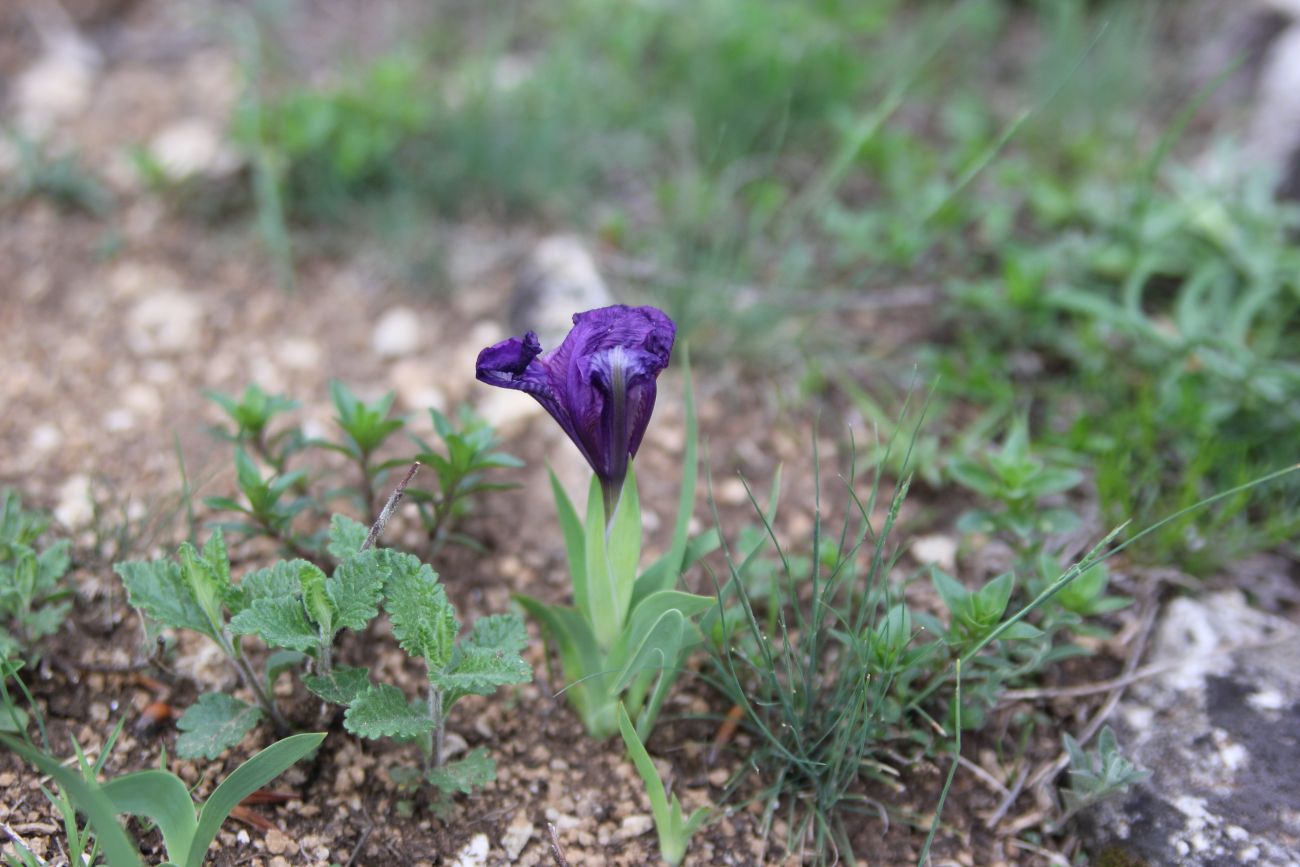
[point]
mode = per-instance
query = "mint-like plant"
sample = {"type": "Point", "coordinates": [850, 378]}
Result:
{"type": "Point", "coordinates": [366, 427]}
{"type": "Point", "coordinates": [252, 414]}
{"type": "Point", "coordinates": [195, 592]}
{"type": "Point", "coordinates": [426, 626]}
{"type": "Point", "coordinates": [1016, 479]}
{"type": "Point", "coordinates": [1096, 776]}
{"type": "Point", "coordinates": [271, 503]}
{"type": "Point", "coordinates": [33, 601]}
{"type": "Point", "coordinates": [470, 449]}
{"type": "Point", "coordinates": [296, 607]}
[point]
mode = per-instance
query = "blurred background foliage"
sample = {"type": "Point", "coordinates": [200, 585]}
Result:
{"type": "Point", "coordinates": [1034, 189]}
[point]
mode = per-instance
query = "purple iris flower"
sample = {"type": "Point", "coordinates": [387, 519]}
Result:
{"type": "Point", "coordinates": [599, 383]}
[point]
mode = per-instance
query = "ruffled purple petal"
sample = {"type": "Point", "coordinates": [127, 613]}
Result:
{"type": "Point", "coordinates": [598, 384]}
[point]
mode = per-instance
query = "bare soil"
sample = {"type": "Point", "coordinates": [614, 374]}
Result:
{"type": "Point", "coordinates": [113, 327]}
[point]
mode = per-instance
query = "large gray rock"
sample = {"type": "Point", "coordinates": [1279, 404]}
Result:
{"type": "Point", "coordinates": [558, 279]}
{"type": "Point", "coordinates": [1220, 732]}
{"type": "Point", "coordinates": [1274, 135]}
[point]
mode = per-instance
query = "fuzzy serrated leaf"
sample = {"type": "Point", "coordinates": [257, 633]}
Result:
{"type": "Point", "coordinates": [316, 601]}
{"type": "Point", "coordinates": [51, 565]}
{"type": "Point", "coordinates": [355, 589]}
{"type": "Point", "coordinates": [210, 586]}
{"type": "Point", "coordinates": [383, 711]}
{"type": "Point", "coordinates": [346, 537]}
{"type": "Point", "coordinates": [479, 671]}
{"type": "Point", "coordinates": [474, 771]}
{"type": "Point", "coordinates": [46, 620]}
{"type": "Point", "coordinates": [424, 622]}
{"type": "Point", "coordinates": [159, 589]}
{"type": "Point", "coordinates": [282, 579]}
{"type": "Point", "coordinates": [342, 685]}
{"type": "Point", "coordinates": [504, 632]}
{"type": "Point", "coordinates": [217, 559]}
{"type": "Point", "coordinates": [280, 622]}
{"type": "Point", "coordinates": [214, 724]}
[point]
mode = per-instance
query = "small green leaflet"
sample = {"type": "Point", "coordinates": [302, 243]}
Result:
{"type": "Point", "coordinates": [213, 724]}
{"type": "Point", "coordinates": [342, 686]}
{"type": "Point", "coordinates": [479, 672]}
{"type": "Point", "coordinates": [356, 587]}
{"type": "Point", "coordinates": [279, 622]}
{"type": "Point", "coordinates": [465, 775]}
{"type": "Point", "coordinates": [382, 711]}
{"type": "Point", "coordinates": [282, 579]}
{"type": "Point", "coordinates": [504, 632]}
{"type": "Point", "coordinates": [423, 620]}
{"type": "Point", "coordinates": [159, 589]}
{"type": "Point", "coordinates": [346, 537]}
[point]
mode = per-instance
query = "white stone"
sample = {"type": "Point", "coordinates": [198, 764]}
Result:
{"type": "Point", "coordinates": [634, 826]}
{"type": "Point", "coordinates": [193, 147]}
{"type": "Point", "coordinates": [298, 353]}
{"type": "Point", "coordinates": [396, 333]}
{"type": "Point", "coordinates": [475, 852]}
{"type": "Point", "coordinates": [1266, 700]}
{"type": "Point", "coordinates": [936, 550]}
{"type": "Point", "coordinates": [508, 411]}
{"type": "Point", "coordinates": [453, 745]}
{"type": "Point", "coordinates": [517, 835]}
{"type": "Point", "coordinates": [75, 508]}
{"type": "Point", "coordinates": [415, 382]}
{"type": "Point", "coordinates": [57, 87]}
{"type": "Point", "coordinates": [142, 399]}
{"type": "Point", "coordinates": [45, 438]}
{"type": "Point", "coordinates": [165, 321]}
{"type": "Point", "coordinates": [119, 419]}
{"type": "Point", "coordinates": [559, 279]}
{"type": "Point", "coordinates": [1275, 120]}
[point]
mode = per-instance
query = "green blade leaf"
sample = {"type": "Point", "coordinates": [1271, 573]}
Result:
{"type": "Point", "coordinates": [159, 589]}
{"type": "Point", "coordinates": [654, 786]}
{"type": "Point", "coordinates": [605, 615]}
{"type": "Point", "coordinates": [383, 711]}
{"type": "Point", "coordinates": [474, 771]}
{"type": "Point", "coordinates": [213, 724]}
{"type": "Point", "coordinates": [579, 656]}
{"type": "Point", "coordinates": [244, 781]}
{"type": "Point", "coordinates": [161, 797]}
{"type": "Point", "coordinates": [279, 622]}
{"type": "Point", "coordinates": [574, 546]}
{"type": "Point", "coordinates": [647, 616]}
{"type": "Point", "coordinates": [676, 555]}
{"type": "Point", "coordinates": [623, 544]}
{"type": "Point", "coordinates": [424, 622]}
{"type": "Point", "coordinates": [343, 685]}
{"type": "Point", "coordinates": [89, 799]}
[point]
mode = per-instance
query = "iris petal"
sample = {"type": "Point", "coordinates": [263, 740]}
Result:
{"type": "Point", "coordinates": [598, 384]}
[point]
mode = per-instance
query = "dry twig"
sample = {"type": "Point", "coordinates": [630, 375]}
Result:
{"type": "Point", "coordinates": [557, 852]}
